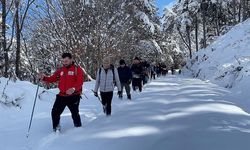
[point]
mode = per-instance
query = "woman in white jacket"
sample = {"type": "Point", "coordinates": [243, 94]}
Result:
{"type": "Point", "coordinates": [106, 79]}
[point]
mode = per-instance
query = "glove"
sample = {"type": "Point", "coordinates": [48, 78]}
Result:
{"type": "Point", "coordinates": [96, 94]}
{"type": "Point", "coordinates": [129, 82]}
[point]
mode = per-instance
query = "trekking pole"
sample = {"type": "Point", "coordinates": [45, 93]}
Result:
{"type": "Point", "coordinates": [103, 106]}
{"type": "Point", "coordinates": [31, 117]}
{"type": "Point", "coordinates": [97, 96]}
{"type": "Point", "coordinates": [85, 95]}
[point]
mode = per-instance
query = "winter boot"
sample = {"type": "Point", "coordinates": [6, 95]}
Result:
{"type": "Point", "coordinates": [129, 97]}
{"type": "Point", "coordinates": [57, 129]}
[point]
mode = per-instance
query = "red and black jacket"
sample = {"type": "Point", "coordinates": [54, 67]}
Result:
{"type": "Point", "coordinates": [68, 77]}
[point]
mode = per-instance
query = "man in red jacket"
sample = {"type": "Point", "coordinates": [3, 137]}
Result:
{"type": "Point", "coordinates": [70, 83]}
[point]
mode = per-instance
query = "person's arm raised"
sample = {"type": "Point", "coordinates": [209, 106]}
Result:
{"type": "Point", "coordinates": [53, 78]}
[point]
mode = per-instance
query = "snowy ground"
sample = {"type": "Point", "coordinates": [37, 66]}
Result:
{"type": "Point", "coordinates": [172, 113]}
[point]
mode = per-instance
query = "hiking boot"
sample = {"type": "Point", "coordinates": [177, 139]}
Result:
{"type": "Point", "coordinates": [129, 97]}
{"type": "Point", "coordinates": [57, 129]}
{"type": "Point", "coordinates": [104, 108]}
{"type": "Point", "coordinates": [77, 125]}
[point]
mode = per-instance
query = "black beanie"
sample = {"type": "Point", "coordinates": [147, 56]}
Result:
{"type": "Point", "coordinates": [122, 62]}
{"type": "Point", "coordinates": [136, 58]}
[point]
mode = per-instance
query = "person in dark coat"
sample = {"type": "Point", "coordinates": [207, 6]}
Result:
{"type": "Point", "coordinates": [164, 69]}
{"type": "Point", "coordinates": [146, 71]}
{"type": "Point", "coordinates": [158, 70]}
{"type": "Point", "coordinates": [137, 72]}
{"type": "Point", "coordinates": [125, 76]}
{"type": "Point", "coordinates": [153, 71]}
{"type": "Point", "coordinates": [172, 69]}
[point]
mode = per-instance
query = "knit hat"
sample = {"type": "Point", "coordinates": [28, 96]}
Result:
{"type": "Point", "coordinates": [122, 62]}
{"type": "Point", "coordinates": [136, 58]}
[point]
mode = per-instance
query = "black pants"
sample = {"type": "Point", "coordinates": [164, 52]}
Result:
{"type": "Point", "coordinates": [72, 102]}
{"type": "Point", "coordinates": [106, 101]}
{"type": "Point", "coordinates": [152, 75]}
{"type": "Point", "coordinates": [145, 79]}
{"type": "Point", "coordinates": [126, 86]}
{"type": "Point", "coordinates": [137, 82]}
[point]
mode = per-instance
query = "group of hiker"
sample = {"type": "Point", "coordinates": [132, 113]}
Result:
{"type": "Point", "coordinates": [70, 78]}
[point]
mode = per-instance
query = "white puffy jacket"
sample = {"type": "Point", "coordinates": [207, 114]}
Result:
{"type": "Point", "coordinates": [105, 82]}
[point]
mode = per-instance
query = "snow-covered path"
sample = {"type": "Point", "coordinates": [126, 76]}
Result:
{"type": "Point", "coordinates": [172, 113]}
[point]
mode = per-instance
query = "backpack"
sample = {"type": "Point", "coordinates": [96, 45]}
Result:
{"type": "Point", "coordinates": [113, 71]}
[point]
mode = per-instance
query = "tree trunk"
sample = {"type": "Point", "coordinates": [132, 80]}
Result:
{"type": "Point", "coordinates": [234, 11]}
{"type": "Point", "coordinates": [204, 29]}
{"type": "Point", "coordinates": [6, 56]}
{"type": "Point", "coordinates": [184, 41]}
{"type": "Point", "coordinates": [244, 10]}
{"type": "Point", "coordinates": [217, 19]}
{"type": "Point", "coordinates": [189, 41]}
{"type": "Point", "coordinates": [18, 39]}
{"type": "Point", "coordinates": [239, 13]}
{"type": "Point", "coordinates": [247, 9]}
{"type": "Point", "coordinates": [196, 33]}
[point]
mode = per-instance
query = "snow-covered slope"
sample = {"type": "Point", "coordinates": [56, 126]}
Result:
{"type": "Point", "coordinates": [226, 62]}
{"type": "Point", "coordinates": [171, 113]}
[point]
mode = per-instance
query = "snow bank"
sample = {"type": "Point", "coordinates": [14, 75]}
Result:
{"type": "Point", "coordinates": [226, 62]}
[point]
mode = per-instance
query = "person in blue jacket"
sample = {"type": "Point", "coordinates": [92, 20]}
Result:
{"type": "Point", "coordinates": [125, 76]}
